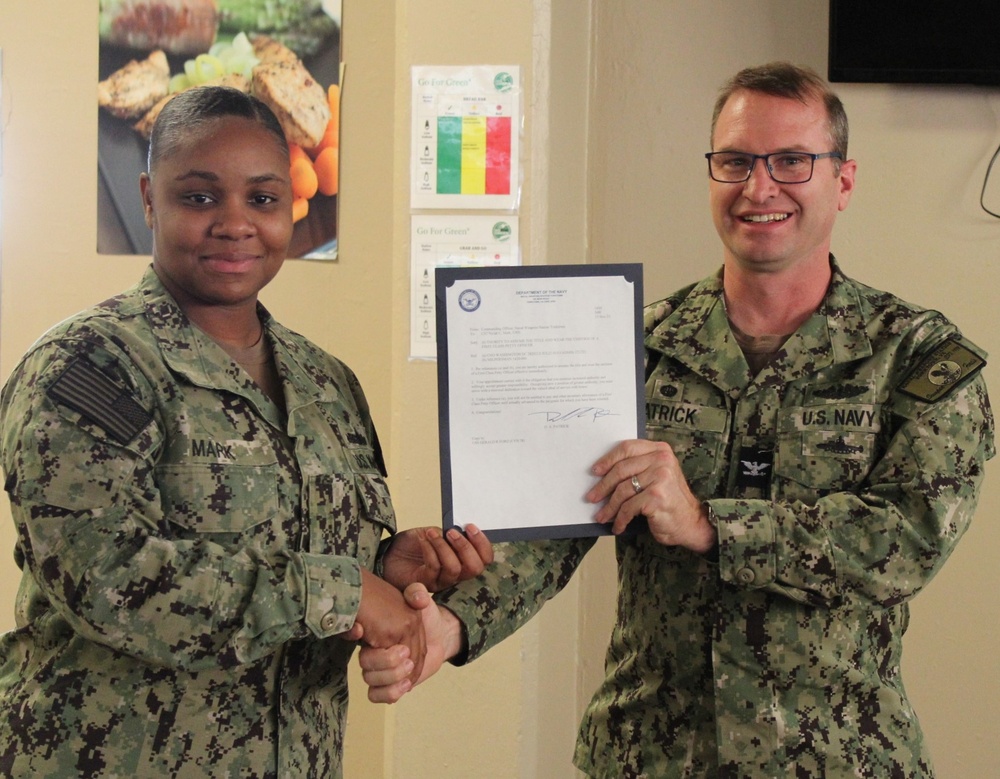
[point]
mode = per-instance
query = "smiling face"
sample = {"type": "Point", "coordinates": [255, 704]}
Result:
{"type": "Point", "coordinates": [220, 208]}
{"type": "Point", "coordinates": [768, 227]}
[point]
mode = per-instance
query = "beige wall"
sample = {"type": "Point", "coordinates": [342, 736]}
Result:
{"type": "Point", "coordinates": [617, 105]}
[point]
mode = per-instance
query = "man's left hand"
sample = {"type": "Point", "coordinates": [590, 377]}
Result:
{"type": "Point", "coordinates": [644, 477]}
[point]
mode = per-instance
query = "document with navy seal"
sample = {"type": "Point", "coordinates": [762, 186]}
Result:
{"type": "Point", "coordinates": [539, 373]}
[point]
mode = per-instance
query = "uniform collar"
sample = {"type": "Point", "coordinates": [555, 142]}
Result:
{"type": "Point", "coordinates": [697, 334]}
{"type": "Point", "coordinates": [190, 353]}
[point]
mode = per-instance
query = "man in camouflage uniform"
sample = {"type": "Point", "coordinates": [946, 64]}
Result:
{"type": "Point", "coordinates": [814, 451]}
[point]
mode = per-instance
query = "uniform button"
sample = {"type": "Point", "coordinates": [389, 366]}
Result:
{"type": "Point", "coordinates": [329, 621]}
{"type": "Point", "coordinates": [745, 575]}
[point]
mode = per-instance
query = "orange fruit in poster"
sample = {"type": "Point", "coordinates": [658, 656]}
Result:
{"type": "Point", "coordinates": [327, 168]}
{"type": "Point", "coordinates": [304, 183]}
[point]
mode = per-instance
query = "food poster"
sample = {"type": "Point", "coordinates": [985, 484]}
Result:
{"type": "Point", "coordinates": [285, 52]}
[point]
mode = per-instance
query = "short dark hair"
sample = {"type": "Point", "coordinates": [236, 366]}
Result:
{"type": "Point", "coordinates": [783, 79]}
{"type": "Point", "coordinates": [194, 107]}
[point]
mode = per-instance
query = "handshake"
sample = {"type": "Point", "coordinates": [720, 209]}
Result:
{"type": "Point", "coordinates": [406, 636]}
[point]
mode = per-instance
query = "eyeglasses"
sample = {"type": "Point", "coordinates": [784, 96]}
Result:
{"type": "Point", "coordinates": [785, 167]}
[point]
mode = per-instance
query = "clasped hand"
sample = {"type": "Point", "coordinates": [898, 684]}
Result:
{"type": "Point", "coordinates": [437, 561]}
{"type": "Point", "coordinates": [392, 672]}
{"type": "Point", "coordinates": [397, 613]}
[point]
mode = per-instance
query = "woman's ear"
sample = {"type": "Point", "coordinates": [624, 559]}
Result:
{"type": "Point", "coordinates": [145, 189]}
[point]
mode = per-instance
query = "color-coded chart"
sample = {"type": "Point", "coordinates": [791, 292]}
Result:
{"type": "Point", "coordinates": [473, 155]}
{"type": "Point", "coordinates": [465, 143]}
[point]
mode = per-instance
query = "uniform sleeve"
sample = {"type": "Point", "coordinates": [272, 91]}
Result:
{"type": "Point", "coordinates": [885, 541]}
{"type": "Point", "coordinates": [522, 578]}
{"type": "Point", "coordinates": [80, 439]}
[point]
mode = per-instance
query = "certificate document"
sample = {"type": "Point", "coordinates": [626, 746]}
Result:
{"type": "Point", "coordinates": [539, 375]}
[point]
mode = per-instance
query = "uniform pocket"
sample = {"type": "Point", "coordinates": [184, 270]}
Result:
{"type": "Point", "coordinates": [219, 498]}
{"type": "Point", "coordinates": [348, 514]}
{"type": "Point", "coordinates": [698, 454]}
{"type": "Point", "coordinates": [824, 449]}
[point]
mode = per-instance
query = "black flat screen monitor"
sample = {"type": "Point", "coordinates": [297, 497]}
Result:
{"type": "Point", "coordinates": [915, 41]}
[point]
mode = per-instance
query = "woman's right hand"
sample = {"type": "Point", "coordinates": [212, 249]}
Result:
{"type": "Point", "coordinates": [390, 672]}
{"type": "Point", "coordinates": [387, 620]}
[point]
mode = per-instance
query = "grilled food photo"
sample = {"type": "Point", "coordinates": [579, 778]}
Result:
{"type": "Point", "coordinates": [132, 90]}
{"type": "Point", "coordinates": [284, 52]}
{"type": "Point", "coordinates": [289, 89]}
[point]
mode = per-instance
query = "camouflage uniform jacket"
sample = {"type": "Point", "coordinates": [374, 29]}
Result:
{"type": "Point", "coordinates": [189, 552]}
{"type": "Point", "coordinates": [837, 497]}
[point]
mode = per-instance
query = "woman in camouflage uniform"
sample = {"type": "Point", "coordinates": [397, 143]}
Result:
{"type": "Point", "coordinates": [199, 497]}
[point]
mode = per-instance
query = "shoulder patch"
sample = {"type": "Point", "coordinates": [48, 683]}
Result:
{"type": "Point", "coordinates": [84, 388]}
{"type": "Point", "coordinates": [943, 369]}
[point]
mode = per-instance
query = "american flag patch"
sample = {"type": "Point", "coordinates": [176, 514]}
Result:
{"type": "Point", "coordinates": [85, 389]}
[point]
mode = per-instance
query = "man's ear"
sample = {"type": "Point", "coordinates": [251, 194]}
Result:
{"type": "Point", "coordinates": [848, 169]}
